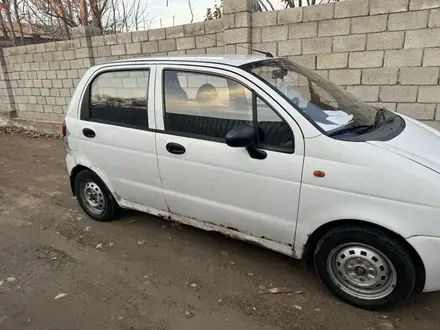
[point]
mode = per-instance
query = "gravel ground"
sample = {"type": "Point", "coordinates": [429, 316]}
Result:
{"type": "Point", "coordinates": [61, 270]}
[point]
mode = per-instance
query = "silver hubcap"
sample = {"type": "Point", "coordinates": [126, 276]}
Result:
{"type": "Point", "coordinates": [362, 271]}
{"type": "Point", "coordinates": [93, 197]}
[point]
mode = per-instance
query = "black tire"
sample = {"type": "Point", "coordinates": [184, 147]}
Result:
{"type": "Point", "coordinates": [365, 237]}
{"type": "Point", "coordinates": [110, 207]}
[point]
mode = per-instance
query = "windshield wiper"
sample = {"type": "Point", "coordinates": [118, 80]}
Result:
{"type": "Point", "coordinates": [365, 128]}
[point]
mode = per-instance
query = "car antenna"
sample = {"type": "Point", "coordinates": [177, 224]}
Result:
{"type": "Point", "coordinates": [261, 52]}
{"type": "Point", "coordinates": [267, 54]}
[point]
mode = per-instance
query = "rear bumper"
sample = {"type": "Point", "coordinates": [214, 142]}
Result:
{"type": "Point", "coordinates": [428, 248]}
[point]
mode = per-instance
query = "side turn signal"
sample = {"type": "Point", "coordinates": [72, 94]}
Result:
{"type": "Point", "coordinates": [319, 174]}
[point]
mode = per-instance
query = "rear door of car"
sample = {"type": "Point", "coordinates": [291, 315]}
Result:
{"type": "Point", "coordinates": [117, 129]}
{"type": "Point", "coordinates": [206, 180]}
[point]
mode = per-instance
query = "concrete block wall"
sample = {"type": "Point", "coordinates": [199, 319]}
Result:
{"type": "Point", "coordinates": [387, 52]}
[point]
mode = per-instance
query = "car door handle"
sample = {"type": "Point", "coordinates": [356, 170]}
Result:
{"type": "Point", "coordinates": [175, 148]}
{"type": "Point", "coordinates": [89, 133]}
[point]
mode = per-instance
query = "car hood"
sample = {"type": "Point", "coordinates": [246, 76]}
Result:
{"type": "Point", "coordinates": [417, 142]}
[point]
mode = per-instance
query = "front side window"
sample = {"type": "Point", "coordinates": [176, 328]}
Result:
{"type": "Point", "coordinates": [209, 106]}
{"type": "Point", "coordinates": [120, 98]}
{"type": "Point", "coordinates": [328, 106]}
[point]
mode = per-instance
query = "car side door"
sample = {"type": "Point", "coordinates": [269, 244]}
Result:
{"type": "Point", "coordinates": [205, 179]}
{"type": "Point", "coordinates": [117, 127]}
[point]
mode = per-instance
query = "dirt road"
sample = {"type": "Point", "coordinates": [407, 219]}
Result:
{"type": "Point", "coordinates": [141, 272]}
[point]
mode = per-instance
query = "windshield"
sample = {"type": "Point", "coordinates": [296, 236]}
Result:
{"type": "Point", "coordinates": [324, 103]}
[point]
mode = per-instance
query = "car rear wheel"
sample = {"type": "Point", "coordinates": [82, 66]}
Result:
{"type": "Point", "coordinates": [94, 197]}
{"type": "Point", "coordinates": [365, 267]}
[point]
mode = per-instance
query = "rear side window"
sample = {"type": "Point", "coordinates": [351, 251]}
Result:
{"type": "Point", "coordinates": [120, 98]}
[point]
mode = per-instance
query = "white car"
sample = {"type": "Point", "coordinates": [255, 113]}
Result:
{"type": "Point", "coordinates": [264, 150]}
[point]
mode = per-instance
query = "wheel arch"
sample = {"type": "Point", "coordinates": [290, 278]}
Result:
{"type": "Point", "coordinates": [81, 167]}
{"type": "Point", "coordinates": [312, 241]}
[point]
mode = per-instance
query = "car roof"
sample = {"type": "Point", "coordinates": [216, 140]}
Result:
{"type": "Point", "coordinates": [233, 60]}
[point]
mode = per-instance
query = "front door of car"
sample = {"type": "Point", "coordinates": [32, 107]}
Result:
{"type": "Point", "coordinates": [117, 127]}
{"type": "Point", "coordinates": [205, 179]}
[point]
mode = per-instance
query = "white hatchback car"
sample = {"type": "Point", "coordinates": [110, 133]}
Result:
{"type": "Point", "coordinates": [266, 151]}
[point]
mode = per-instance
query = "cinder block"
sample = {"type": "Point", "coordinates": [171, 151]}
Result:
{"type": "Point", "coordinates": [349, 43]}
{"type": "Point", "coordinates": [318, 13]}
{"type": "Point", "coordinates": [139, 36]}
{"type": "Point", "coordinates": [237, 6]}
{"type": "Point", "coordinates": [242, 19]}
{"type": "Point", "coordinates": [434, 18]}
{"type": "Point", "coordinates": [47, 83]}
{"type": "Point", "coordinates": [72, 74]}
{"type": "Point", "coordinates": [332, 61]}
{"type": "Point", "coordinates": [264, 18]}
{"type": "Point", "coordinates": [386, 40]}
{"type": "Point", "coordinates": [365, 93]}
{"type": "Point", "coordinates": [335, 27]}
{"type": "Point", "coordinates": [290, 15]}
{"type": "Point", "coordinates": [68, 54]}
{"type": "Point", "coordinates": [398, 93]}
{"type": "Point", "coordinates": [149, 47]}
{"type": "Point", "coordinates": [64, 65]}
{"type": "Point", "coordinates": [206, 41]}
{"type": "Point", "coordinates": [110, 39]}
{"type": "Point", "coordinates": [237, 36]}
{"type": "Point", "coordinates": [274, 33]}
{"type": "Point", "coordinates": [403, 57]}
{"type": "Point", "coordinates": [167, 45]}
{"type": "Point", "coordinates": [424, 4]}
{"type": "Point", "coordinates": [38, 57]}
{"type": "Point", "coordinates": [417, 111]}
{"type": "Point", "coordinates": [345, 76]}
{"type": "Point", "coordinates": [369, 24]}
{"type": "Point", "coordinates": [117, 50]}
{"type": "Point", "coordinates": [303, 30]}
{"type": "Point", "coordinates": [351, 8]}
{"type": "Point", "coordinates": [429, 94]}
{"type": "Point", "coordinates": [382, 76]}
{"type": "Point", "coordinates": [124, 38]}
{"type": "Point", "coordinates": [61, 74]}
{"type": "Point", "coordinates": [422, 38]}
{"type": "Point", "coordinates": [215, 25]}
{"type": "Point", "coordinates": [431, 57]}
{"type": "Point", "coordinates": [194, 29]}
{"type": "Point", "coordinates": [317, 45]}
{"type": "Point", "coordinates": [289, 47]}
{"type": "Point", "coordinates": [408, 21]}
{"type": "Point", "coordinates": [97, 41]}
{"type": "Point", "coordinates": [133, 48]}
{"type": "Point", "coordinates": [419, 76]}
{"type": "Point", "coordinates": [388, 6]}
{"type": "Point", "coordinates": [76, 64]}
{"type": "Point", "coordinates": [57, 83]}
{"type": "Point", "coordinates": [82, 52]}
{"type": "Point", "coordinates": [186, 43]}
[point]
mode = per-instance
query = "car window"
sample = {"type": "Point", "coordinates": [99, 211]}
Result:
{"type": "Point", "coordinates": [209, 106]}
{"type": "Point", "coordinates": [204, 105]}
{"type": "Point", "coordinates": [277, 133]}
{"type": "Point", "coordinates": [120, 97]}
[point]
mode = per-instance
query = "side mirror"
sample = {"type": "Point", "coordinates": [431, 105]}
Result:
{"type": "Point", "coordinates": [241, 136]}
{"type": "Point", "coordinates": [244, 136]}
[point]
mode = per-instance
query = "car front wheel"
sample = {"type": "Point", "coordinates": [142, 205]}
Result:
{"type": "Point", "coordinates": [365, 267]}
